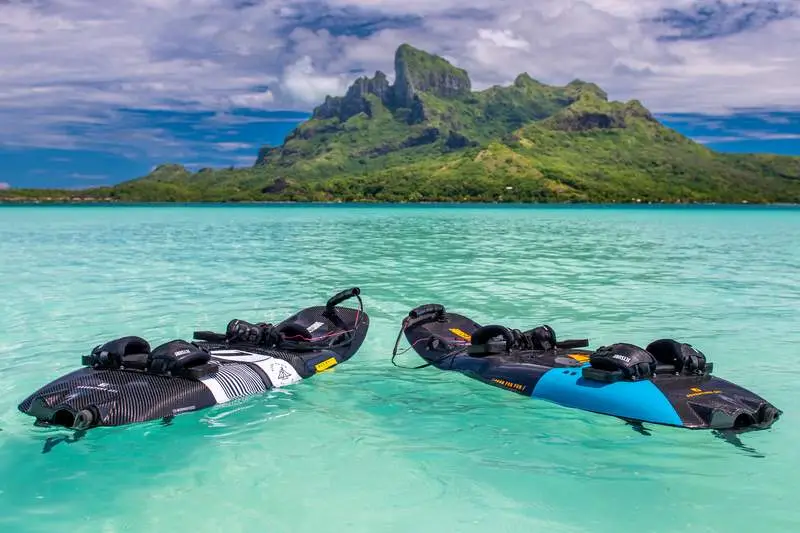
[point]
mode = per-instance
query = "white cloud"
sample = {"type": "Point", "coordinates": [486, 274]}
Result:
{"type": "Point", "coordinates": [254, 100]}
{"type": "Point", "coordinates": [4, 186]}
{"type": "Point", "coordinates": [233, 146]}
{"type": "Point", "coordinates": [303, 83]}
{"type": "Point", "coordinates": [503, 39]}
{"type": "Point", "coordinates": [68, 61]}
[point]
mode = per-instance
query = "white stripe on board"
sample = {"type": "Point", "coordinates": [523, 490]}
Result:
{"type": "Point", "coordinates": [216, 389]}
{"type": "Point", "coordinates": [238, 355]}
{"type": "Point", "coordinates": [239, 380]}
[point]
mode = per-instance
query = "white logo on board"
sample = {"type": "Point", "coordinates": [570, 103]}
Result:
{"type": "Point", "coordinates": [281, 373]}
{"type": "Point", "coordinates": [315, 326]}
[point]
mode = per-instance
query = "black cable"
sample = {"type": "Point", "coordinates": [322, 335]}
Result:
{"type": "Point", "coordinates": [403, 327]}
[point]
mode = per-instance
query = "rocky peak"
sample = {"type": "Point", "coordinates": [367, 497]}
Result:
{"type": "Point", "coordinates": [355, 100]}
{"type": "Point", "coordinates": [591, 112]}
{"type": "Point", "coordinates": [416, 72]}
{"type": "Point", "coordinates": [525, 80]}
{"type": "Point", "coordinates": [377, 85]}
{"type": "Point", "coordinates": [634, 108]}
{"type": "Point", "coordinates": [419, 71]}
{"type": "Point", "coordinates": [577, 88]}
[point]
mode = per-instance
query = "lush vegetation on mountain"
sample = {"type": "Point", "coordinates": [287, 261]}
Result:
{"type": "Point", "coordinates": [430, 137]}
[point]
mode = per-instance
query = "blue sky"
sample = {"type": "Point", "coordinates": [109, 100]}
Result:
{"type": "Point", "coordinates": [95, 93]}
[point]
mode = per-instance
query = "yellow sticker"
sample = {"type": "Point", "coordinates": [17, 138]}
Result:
{"type": "Point", "coordinates": [509, 384]}
{"type": "Point", "coordinates": [579, 357]}
{"type": "Point", "coordinates": [464, 335]}
{"type": "Point", "coordinates": [326, 364]}
{"type": "Point", "coordinates": [700, 392]}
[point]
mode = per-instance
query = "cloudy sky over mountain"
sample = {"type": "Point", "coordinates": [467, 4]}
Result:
{"type": "Point", "coordinates": [96, 92]}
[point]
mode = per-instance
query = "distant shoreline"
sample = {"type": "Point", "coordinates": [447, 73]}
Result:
{"type": "Point", "coordinates": [370, 203]}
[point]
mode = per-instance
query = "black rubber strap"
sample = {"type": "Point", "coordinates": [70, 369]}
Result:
{"type": "Point", "coordinates": [331, 314]}
{"type": "Point", "coordinates": [433, 310]}
{"type": "Point", "coordinates": [340, 297]}
{"type": "Point", "coordinates": [573, 343]}
{"type": "Point", "coordinates": [484, 334]}
{"type": "Point", "coordinates": [209, 336]}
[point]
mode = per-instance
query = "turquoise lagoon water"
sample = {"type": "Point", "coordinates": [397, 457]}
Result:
{"type": "Point", "coordinates": [368, 447]}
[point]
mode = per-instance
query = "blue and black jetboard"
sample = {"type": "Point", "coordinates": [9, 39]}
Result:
{"type": "Point", "coordinates": [668, 382]}
{"type": "Point", "coordinates": [125, 381]}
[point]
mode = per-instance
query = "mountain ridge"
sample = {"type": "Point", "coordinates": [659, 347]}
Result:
{"type": "Point", "coordinates": [428, 136]}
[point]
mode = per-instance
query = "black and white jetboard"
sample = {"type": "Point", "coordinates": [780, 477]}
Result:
{"type": "Point", "coordinates": [124, 381]}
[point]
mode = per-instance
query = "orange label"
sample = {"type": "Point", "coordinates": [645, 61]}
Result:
{"type": "Point", "coordinates": [579, 357]}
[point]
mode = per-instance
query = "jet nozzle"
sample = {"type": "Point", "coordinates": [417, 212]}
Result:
{"type": "Point", "coordinates": [84, 419]}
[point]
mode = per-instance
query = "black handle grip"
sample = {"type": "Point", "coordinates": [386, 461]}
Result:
{"type": "Point", "coordinates": [427, 309]}
{"type": "Point", "coordinates": [209, 336]}
{"type": "Point", "coordinates": [573, 343]}
{"type": "Point", "coordinates": [342, 296]}
{"type": "Point", "coordinates": [483, 334]}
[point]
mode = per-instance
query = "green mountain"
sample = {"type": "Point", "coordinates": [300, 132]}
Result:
{"type": "Point", "coordinates": [430, 137]}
